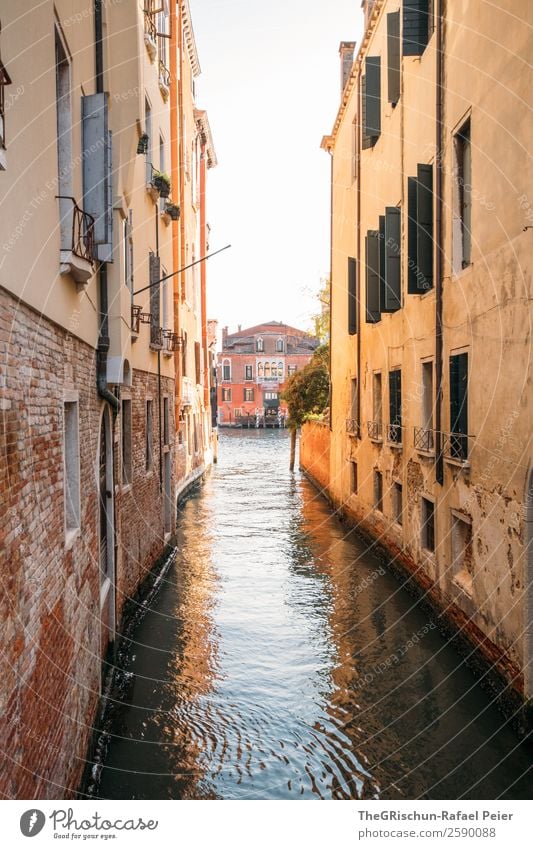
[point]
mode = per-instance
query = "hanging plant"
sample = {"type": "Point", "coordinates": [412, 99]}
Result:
{"type": "Point", "coordinates": [142, 144]}
{"type": "Point", "coordinates": [173, 210]}
{"type": "Point", "coordinates": [161, 182]}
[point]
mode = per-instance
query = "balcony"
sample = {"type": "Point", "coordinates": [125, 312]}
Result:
{"type": "Point", "coordinates": [150, 30]}
{"type": "Point", "coordinates": [424, 440]}
{"type": "Point", "coordinates": [352, 427]}
{"type": "Point", "coordinates": [375, 431]}
{"type": "Point", "coordinates": [394, 435]}
{"type": "Point", "coordinates": [77, 241]}
{"type": "Point", "coordinates": [455, 448]}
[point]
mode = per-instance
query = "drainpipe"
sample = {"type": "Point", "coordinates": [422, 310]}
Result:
{"type": "Point", "coordinates": [175, 177]}
{"type": "Point", "coordinates": [439, 464]}
{"type": "Point", "coordinates": [359, 263]}
{"type": "Point", "coordinates": [103, 329]}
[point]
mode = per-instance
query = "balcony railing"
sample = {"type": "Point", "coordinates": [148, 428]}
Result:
{"type": "Point", "coordinates": [375, 431]}
{"type": "Point", "coordinates": [171, 341]}
{"type": "Point", "coordinates": [352, 427]}
{"type": "Point", "coordinates": [164, 73]}
{"type": "Point", "coordinates": [82, 234]}
{"type": "Point", "coordinates": [150, 26]}
{"type": "Point", "coordinates": [455, 446]}
{"type": "Point", "coordinates": [424, 440]}
{"type": "Point", "coordinates": [394, 434]}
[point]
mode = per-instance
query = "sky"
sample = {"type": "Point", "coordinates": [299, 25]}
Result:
{"type": "Point", "coordinates": [270, 83]}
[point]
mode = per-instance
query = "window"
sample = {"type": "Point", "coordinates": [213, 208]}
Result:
{"type": "Point", "coordinates": [280, 371]}
{"type": "Point", "coordinates": [148, 130]}
{"type": "Point", "coordinates": [371, 101]}
{"type": "Point", "coordinates": [395, 406]}
{"type": "Point", "coordinates": [226, 370]}
{"type": "Point", "coordinates": [149, 447]}
{"type": "Point", "coordinates": [248, 394]}
{"type": "Point", "coordinates": [267, 371]}
{"type": "Point", "coordinates": [64, 142]}
{"type": "Point", "coordinates": [378, 491]}
{"type": "Point", "coordinates": [71, 442]}
{"type": "Point", "coordinates": [184, 354]}
{"type": "Point", "coordinates": [198, 362]}
{"type": "Point", "coordinates": [226, 394]}
{"type": "Point", "coordinates": [420, 231]}
{"type": "Point", "coordinates": [417, 26]}
{"type": "Point", "coordinates": [248, 373]}
{"type": "Point", "coordinates": [279, 346]}
{"type": "Point", "coordinates": [128, 250]}
{"type": "Point", "coordinates": [462, 554]}
{"type": "Point", "coordinates": [260, 370]}
{"type": "Point", "coordinates": [392, 278]}
{"type": "Point", "coordinates": [353, 477]}
{"type": "Point", "coordinates": [427, 407]}
{"type": "Point", "coordinates": [377, 400]}
{"type": "Point", "coordinates": [274, 370]}
{"type": "Point", "coordinates": [354, 402]}
{"type": "Point", "coordinates": [462, 223]}
{"type": "Point", "coordinates": [372, 277]}
{"type": "Point", "coordinates": [126, 442]}
{"type": "Point", "coordinates": [393, 57]}
{"type": "Point", "coordinates": [166, 421]}
{"type": "Point", "coordinates": [259, 345]}
{"type": "Point", "coordinates": [428, 525]}
{"type": "Point", "coordinates": [156, 340]}
{"type": "Point", "coordinates": [237, 412]}
{"type": "Point", "coordinates": [397, 502]}
{"type": "Point", "coordinates": [162, 201]}
{"type": "Point", "coordinates": [4, 80]}
{"type": "Point", "coordinates": [352, 296]}
{"type": "Point", "coordinates": [458, 447]}
{"type": "Point", "coordinates": [292, 370]}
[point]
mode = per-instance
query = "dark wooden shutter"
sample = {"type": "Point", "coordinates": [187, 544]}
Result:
{"type": "Point", "coordinates": [352, 296]}
{"type": "Point", "coordinates": [459, 393]}
{"type": "Point", "coordinates": [415, 31]}
{"type": "Point", "coordinates": [393, 56]}
{"type": "Point", "coordinates": [366, 140]}
{"type": "Point", "coordinates": [412, 261]}
{"type": "Point", "coordinates": [424, 226]}
{"type": "Point", "coordinates": [155, 301]}
{"type": "Point", "coordinates": [372, 127]}
{"type": "Point", "coordinates": [382, 267]}
{"type": "Point", "coordinates": [393, 259]}
{"type": "Point", "coordinates": [372, 276]}
{"type": "Point", "coordinates": [395, 398]}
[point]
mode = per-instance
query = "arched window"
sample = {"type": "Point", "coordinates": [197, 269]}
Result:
{"type": "Point", "coordinates": [226, 370]}
{"type": "Point", "coordinates": [280, 369]}
{"type": "Point", "coordinates": [279, 346]}
{"type": "Point", "coordinates": [274, 370]}
{"type": "Point", "coordinates": [259, 345]}
{"type": "Point", "coordinates": [260, 370]}
{"type": "Point", "coordinates": [267, 369]}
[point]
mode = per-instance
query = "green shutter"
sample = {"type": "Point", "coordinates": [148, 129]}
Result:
{"type": "Point", "coordinates": [155, 301]}
{"type": "Point", "coordinates": [352, 296]}
{"type": "Point", "coordinates": [424, 226]}
{"type": "Point", "coordinates": [395, 398]}
{"type": "Point", "coordinates": [382, 266]}
{"type": "Point", "coordinates": [415, 23]}
{"type": "Point", "coordinates": [393, 56]}
{"type": "Point", "coordinates": [366, 141]}
{"type": "Point", "coordinates": [393, 259]}
{"type": "Point", "coordinates": [412, 261]}
{"type": "Point", "coordinates": [372, 127]}
{"type": "Point", "coordinates": [372, 277]}
{"type": "Point", "coordinates": [459, 405]}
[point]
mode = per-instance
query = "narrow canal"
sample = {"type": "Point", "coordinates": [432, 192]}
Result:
{"type": "Point", "coordinates": [281, 660]}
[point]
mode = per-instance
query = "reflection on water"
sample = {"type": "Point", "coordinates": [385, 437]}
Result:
{"type": "Point", "coordinates": [281, 660]}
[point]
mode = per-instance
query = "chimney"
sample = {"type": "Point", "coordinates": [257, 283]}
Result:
{"type": "Point", "coordinates": [346, 52]}
{"type": "Point", "coordinates": [240, 328]}
{"type": "Point", "coordinates": [224, 336]}
{"type": "Point", "coordinates": [368, 8]}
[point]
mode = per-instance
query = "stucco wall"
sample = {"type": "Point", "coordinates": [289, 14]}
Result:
{"type": "Point", "coordinates": [314, 452]}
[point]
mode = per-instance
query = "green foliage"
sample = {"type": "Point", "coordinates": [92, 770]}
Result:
{"type": "Point", "coordinates": [321, 319]}
{"type": "Point", "coordinates": [307, 391]}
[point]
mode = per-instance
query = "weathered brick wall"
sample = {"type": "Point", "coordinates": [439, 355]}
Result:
{"type": "Point", "coordinates": [49, 596]}
{"type": "Point", "coordinates": [314, 452]}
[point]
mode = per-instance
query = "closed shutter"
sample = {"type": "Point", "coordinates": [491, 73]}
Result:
{"type": "Point", "coordinates": [393, 56]}
{"type": "Point", "coordinates": [424, 226]}
{"type": "Point", "coordinates": [459, 406]}
{"type": "Point", "coordinates": [372, 126]}
{"type": "Point", "coordinates": [155, 302]}
{"type": "Point", "coordinates": [415, 31]}
{"type": "Point", "coordinates": [372, 276]}
{"type": "Point", "coordinates": [129, 250]}
{"type": "Point", "coordinates": [393, 257]}
{"type": "Point", "coordinates": [395, 398]}
{"type": "Point", "coordinates": [366, 141]}
{"type": "Point", "coordinates": [412, 261]}
{"type": "Point", "coordinates": [382, 266]}
{"type": "Point", "coordinates": [352, 296]}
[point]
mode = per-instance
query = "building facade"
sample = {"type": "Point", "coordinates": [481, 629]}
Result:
{"type": "Point", "coordinates": [430, 442]}
{"type": "Point", "coordinates": [252, 368]}
{"type": "Point", "coordinates": [92, 397]}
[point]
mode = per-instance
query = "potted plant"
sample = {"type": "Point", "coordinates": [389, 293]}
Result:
{"type": "Point", "coordinates": [161, 182]}
{"type": "Point", "coordinates": [142, 145]}
{"type": "Point", "coordinates": [173, 210]}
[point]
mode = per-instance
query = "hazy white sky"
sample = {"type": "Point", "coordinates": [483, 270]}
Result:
{"type": "Point", "coordinates": [271, 85]}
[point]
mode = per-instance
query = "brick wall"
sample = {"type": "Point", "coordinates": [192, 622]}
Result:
{"type": "Point", "coordinates": [314, 452]}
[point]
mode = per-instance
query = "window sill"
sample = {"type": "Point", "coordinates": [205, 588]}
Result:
{"type": "Point", "coordinates": [71, 535]}
{"type": "Point", "coordinates": [429, 455]}
{"type": "Point", "coordinates": [396, 446]}
{"type": "Point", "coordinates": [377, 440]}
{"type": "Point", "coordinates": [459, 464]}
{"type": "Point", "coordinates": [456, 275]}
{"type": "Point", "coordinates": [463, 581]}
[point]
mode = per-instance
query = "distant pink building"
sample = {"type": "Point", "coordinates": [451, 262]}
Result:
{"type": "Point", "coordinates": [251, 372]}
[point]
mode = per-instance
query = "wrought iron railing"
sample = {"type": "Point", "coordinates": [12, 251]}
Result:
{"type": "Point", "coordinates": [139, 317]}
{"type": "Point", "coordinates": [171, 341]}
{"type": "Point", "coordinates": [394, 434]}
{"type": "Point", "coordinates": [375, 430]}
{"type": "Point", "coordinates": [150, 26]}
{"type": "Point", "coordinates": [82, 238]}
{"type": "Point", "coordinates": [352, 426]}
{"type": "Point", "coordinates": [455, 446]}
{"type": "Point", "coordinates": [424, 439]}
{"type": "Point", "coordinates": [164, 73]}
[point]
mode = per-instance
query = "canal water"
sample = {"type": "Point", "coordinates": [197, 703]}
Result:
{"type": "Point", "coordinates": [281, 660]}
